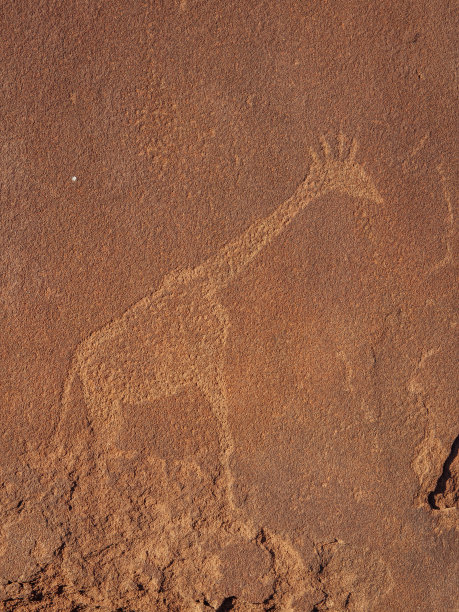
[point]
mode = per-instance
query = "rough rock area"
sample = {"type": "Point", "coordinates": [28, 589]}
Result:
{"type": "Point", "coordinates": [228, 306]}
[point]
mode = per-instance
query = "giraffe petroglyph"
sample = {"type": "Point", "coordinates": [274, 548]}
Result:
{"type": "Point", "coordinates": [175, 337]}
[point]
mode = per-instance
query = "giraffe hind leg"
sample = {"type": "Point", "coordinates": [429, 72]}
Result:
{"type": "Point", "coordinates": [214, 389]}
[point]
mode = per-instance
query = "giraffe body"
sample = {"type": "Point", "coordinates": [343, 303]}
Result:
{"type": "Point", "coordinates": [175, 338]}
{"type": "Point", "coordinates": [162, 344]}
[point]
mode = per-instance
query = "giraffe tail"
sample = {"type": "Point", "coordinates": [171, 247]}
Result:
{"type": "Point", "coordinates": [65, 403]}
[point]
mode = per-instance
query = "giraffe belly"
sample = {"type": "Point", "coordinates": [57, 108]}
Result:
{"type": "Point", "coordinates": [156, 353]}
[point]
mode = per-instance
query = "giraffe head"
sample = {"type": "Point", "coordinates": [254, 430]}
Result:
{"type": "Point", "coordinates": [341, 173]}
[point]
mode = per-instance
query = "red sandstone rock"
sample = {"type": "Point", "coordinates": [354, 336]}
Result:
{"type": "Point", "coordinates": [228, 306]}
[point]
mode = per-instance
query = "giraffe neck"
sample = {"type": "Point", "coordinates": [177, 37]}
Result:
{"type": "Point", "coordinates": [238, 253]}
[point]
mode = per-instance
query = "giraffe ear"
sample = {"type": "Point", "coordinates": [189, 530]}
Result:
{"type": "Point", "coordinates": [314, 155]}
{"type": "Point", "coordinates": [347, 147]}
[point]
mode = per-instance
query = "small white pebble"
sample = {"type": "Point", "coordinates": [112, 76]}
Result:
{"type": "Point", "coordinates": [73, 178]}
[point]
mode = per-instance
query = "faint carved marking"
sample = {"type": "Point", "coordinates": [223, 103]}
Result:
{"type": "Point", "coordinates": [420, 145]}
{"type": "Point", "coordinates": [174, 339]}
{"type": "Point", "coordinates": [349, 372]}
{"type": "Point", "coordinates": [408, 161]}
{"type": "Point", "coordinates": [449, 221]}
{"type": "Point", "coordinates": [415, 386]}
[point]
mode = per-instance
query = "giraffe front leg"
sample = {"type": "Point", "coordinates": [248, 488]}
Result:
{"type": "Point", "coordinates": [214, 388]}
{"type": "Point", "coordinates": [105, 420]}
{"type": "Point", "coordinates": [106, 426]}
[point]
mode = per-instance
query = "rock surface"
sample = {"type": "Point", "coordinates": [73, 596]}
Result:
{"type": "Point", "coordinates": [228, 306]}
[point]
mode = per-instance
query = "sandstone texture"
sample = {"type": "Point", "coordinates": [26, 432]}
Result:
{"type": "Point", "coordinates": [228, 306]}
